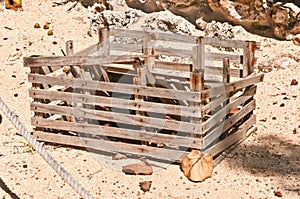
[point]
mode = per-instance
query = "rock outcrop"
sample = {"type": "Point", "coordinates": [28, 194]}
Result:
{"type": "Point", "coordinates": [279, 19]}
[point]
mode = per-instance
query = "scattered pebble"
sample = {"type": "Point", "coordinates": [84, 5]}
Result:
{"type": "Point", "coordinates": [294, 82]}
{"type": "Point", "coordinates": [295, 131]}
{"type": "Point", "coordinates": [282, 105]}
{"type": "Point", "coordinates": [16, 95]}
{"type": "Point", "coordinates": [54, 42]}
{"type": "Point", "coordinates": [278, 194]}
{"type": "Point", "coordinates": [145, 186]}
{"type": "Point", "coordinates": [50, 32]}
{"type": "Point", "coordinates": [37, 25]}
{"type": "Point", "coordinates": [46, 26]}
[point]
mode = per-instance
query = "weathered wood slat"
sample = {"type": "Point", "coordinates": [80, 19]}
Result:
{"type": "Point", "coordinates": [211, 70]}
{"type": "Point", "coordinates": [118, 117]}
{"type": "Point", "coordinates": [222, 98]}
{"type": "Point", "coordinates": [113, 147]}
{"type": "Point", "coordinates": [235, 137]}
{"type": "Point", "coordinates": [223, 42]}
{"type": "Point", "coordinates": [126, 47]}
{"type": "Point", "coordinates": [80, 61]}
{"type": "Point", "coordinates": [228, 123]}
{"type": "Point", "coordinates": [219, 57]}
{"type": "Point", "coordinates": [167, 109]}
{"type": "Point", "coordinates": [222, 113]}
{"type": "Point", "coordinates": [233, 86]}
{"type": "Point", "coordinates": [155, 35]}
{"type": "Point", "coordinates": [173, 52]}
{"type": "Point", "coordinates": [127, 33]}
{"type": "Point", "coordinates": [116, 87]}
{"type": "Point", "coordinates": [107, 131]}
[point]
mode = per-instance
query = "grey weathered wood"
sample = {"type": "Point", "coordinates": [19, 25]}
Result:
{"type": "Point", "coordinates": [104, 44]}
{"type": "Point", "coordinates": [80, 61]}
{"type": "Point", "coordinates": [233, 86]}
{"type": "Point", "coordinates": [115, 102]}
{"type": "Point", "coordinates": [213, 104]}
{"type": "Point", "coordinates": [222, 113]}
{"type": "Point", "coordinates": [223, 126]}
{"type": "Point", "coordinates": [249, 58]}
{"type": "Point", "coordinates": [116, 87]}
{"type": "Point", "coordinates": [118, 117]}
{"type": "Point", "coordinates": [89, 130]}
{"type": "Point", "coordinates": [126, 48]}
{"type": "Point", "coordinates": [113, 147]}
{"type": "Point", "coordinates": [226, 70]}
{"type": "Point", "coordinates": [219, 57]}
{"type": "Point", "coordinates": [157, 36]}
{"type": "Point", "coordinates": [235, 137]}
{"type": "Point", "coordinates": [223, 42]}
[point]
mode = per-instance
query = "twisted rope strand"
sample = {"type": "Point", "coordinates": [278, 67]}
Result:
{"type": "Point", "coordinates": [40, 149]}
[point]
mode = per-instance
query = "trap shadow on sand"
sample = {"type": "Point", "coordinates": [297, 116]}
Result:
{"type": "Point", "coordinates": [263, 158]}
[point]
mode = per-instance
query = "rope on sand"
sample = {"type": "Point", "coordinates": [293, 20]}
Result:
{"type": "Point", "coordinates": [40, 149]}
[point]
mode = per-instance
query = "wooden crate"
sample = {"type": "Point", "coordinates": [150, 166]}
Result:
{"type": "Point", "coordinates": [148, 94]}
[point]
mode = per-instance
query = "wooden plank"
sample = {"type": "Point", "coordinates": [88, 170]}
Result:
{"type": "Point", "coordinates": [222, 98]}
{"type": "Point", "coordinates": [104, 44]}
{"type": "Point", "coordinates": [233, 86]}
{"type": "Point", "coordinates": [116, 87]}
{"type": "Point", "coordinates": [219, 56]}
{"type": "Point", "coordinates": [118, 117]}
{"type": "Point", "coordinates": [80, 61]}
{"type": "Point", "coordinates": [168, 109]}
{"type": "Point", "coordinates": [126, 47]}
{"type": "Point", "coordinates": [235, 137]}
{"type": "Point", "coordinates": [107, 131]}
{"type": "Point", "coordinates": [224, 154]}
{"type": "Point", "coordinates": [211, 70]}
{"type": "Point", "coordinates": [173, 52]}
{"type": "Point", "coordinates": [225, 125]}
{"type": "Point", "coordinates": [222, 113]}
{"type": "Point", "coordinates": [173, 66]}
{"type": "Point", "coordinates": [156, 35]}
{"type": "Point", "coordinates": [113, 147]}
{"type": "Point", "coordinates": [249, 58]}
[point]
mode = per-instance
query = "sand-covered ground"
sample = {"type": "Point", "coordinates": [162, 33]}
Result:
{"type": "Point", "coordinates": [267, 162]}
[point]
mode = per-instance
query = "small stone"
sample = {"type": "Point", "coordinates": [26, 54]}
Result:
{"type": "Point", "coordinates": [119, 157]}
{"type": "Point", "coordinates": [137, 169]}
{"type": "Point", "coordinates": [295, 131]}
{"type": "Point", "coordinates": [50, 32]}
{"type": "Point", "coordinates": [46, 26]}
{"type": "Point", "coordinates": [278, 194]}
{"type": "Point", "coordinates": [145, 186]}
{"type": "Point", "coordinates": [16, 95]}
{"type": "Point", "coordinates": [25, 166]}
{"type": "Point", "coordinates": [274, 118]}
{"type": "Point", "coordinates": [37, 25]}
{"type": "Point", "coordinates": [54, 42]}
{"type": "Point", "coordinates": [294, 82]}
{"type": "Point", "coordinates": [282, 105]}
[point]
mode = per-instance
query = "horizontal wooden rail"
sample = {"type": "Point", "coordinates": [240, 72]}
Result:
{"type": "Point", "coordinates": [233, 86]}
{"type": "Point", "coordinates": [116, 87]}
{"type": "Point", "coordinates": [79, 61]}
{"type": "Point", "coordinates": [225, 125]}
{"type": "Point", "coordinates": [89, 130]}
{"type": "Point", "coordinates": [118, 117]}
{"type": "Point", "coordinates": [127, 104]}
{"type": "Point", "coordinates": [113, 147]}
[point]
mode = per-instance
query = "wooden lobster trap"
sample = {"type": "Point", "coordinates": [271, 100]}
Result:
{"type": "Point", "coordinates": [149, 94]}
